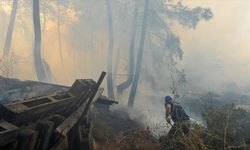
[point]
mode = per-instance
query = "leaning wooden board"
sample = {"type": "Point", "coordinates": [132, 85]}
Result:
{"type": "Point", "coordinates": [8, 132]}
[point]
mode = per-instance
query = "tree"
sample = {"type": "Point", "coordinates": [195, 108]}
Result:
{"type": "Point", "coordinates": [127, 83]}
{"type": "Point", "coordinates": [9, 34]}
{"type": "Point", "coordinates": [110, 52]}
{"type": "Point", "coordinates": [139, 57]}
{"type": "Point", "coordinates": [165, 46]}
{"type": "Point", "coordinates": [39, 67]}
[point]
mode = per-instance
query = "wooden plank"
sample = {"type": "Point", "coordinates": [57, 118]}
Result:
{"type": "Point", "coordinates": [104, 100]}
{"type": "Point", "coordinates": [8, 132]}
{"type": "Point", "coordinates": [31, 110]}
{"type": "Point", "coordinates": [83, 109]}
{"type": "Point", "coordinates": [45, 131]}
{"type": "Point", "coordinates": [21, 114]}
{"type": "Point", "coordinates": [75, 117]}
{"type": "Point", "coordinates": [81, 85]}
{"type": "Point", "coordinates": [83, 94]}
{"type": "Point", "coordinates": [73, 137]}
{"type": "Point", "coordinates": [56, 119]}
{"type": "Point", "coordinates": [61, 144]}
{"type": "Point", "coordinates": [10, 146]}
{"type": "Point", "coordinates": [27, 139]}
{"type": "Point", "coordinates": [94, 90]}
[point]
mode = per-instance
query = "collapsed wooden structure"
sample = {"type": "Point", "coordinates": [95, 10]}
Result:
{"type": "Point", "coordinates": [59, 121]}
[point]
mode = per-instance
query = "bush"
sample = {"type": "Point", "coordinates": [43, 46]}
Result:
{"type": "Point", "coordinates": [224, 127]}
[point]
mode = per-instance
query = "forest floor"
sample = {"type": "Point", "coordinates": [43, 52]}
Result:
{"type": "Point", "coordinates": [114, 129]}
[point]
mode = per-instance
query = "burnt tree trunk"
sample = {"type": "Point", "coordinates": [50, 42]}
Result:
{"type": "Point", "coordinates": [9, 34]}
{"type": "Point", "coordinates": [127, 83]}
{"type": "Point", "coordinates": [110, 52]}
{"type": "Point", "coordinates": [139, 56]}
{"type": "Point", "coordinates": [40, 71]}
{"type": "Point", "coordinates": [44, 27]}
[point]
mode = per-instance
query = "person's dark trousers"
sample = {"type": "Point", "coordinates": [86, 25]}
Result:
{"type": "Point", "coordinates": [179, 126]}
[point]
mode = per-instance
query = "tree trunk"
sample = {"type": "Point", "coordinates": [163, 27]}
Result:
{"type": "Point", "coordinates": [127, 83]}
{"type": "Point", "coordinates": [9, 34]}
{"type": "Point", "coordinates": [139, 57]}
{"type": "Point", "coordinates": [44, 28]}
{"type": "Point", "coordinates": [110, 52]}
{"type": "Point", "coordinates": [40, 71]}
{"type": "Point", "coordinates": [59, 32]}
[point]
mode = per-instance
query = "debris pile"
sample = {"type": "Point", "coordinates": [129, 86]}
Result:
{"type": "Point", "coordinates": [57, 121]}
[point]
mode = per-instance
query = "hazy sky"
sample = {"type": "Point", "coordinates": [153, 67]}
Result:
{"type": "Point", "coordinates": [218, 51]}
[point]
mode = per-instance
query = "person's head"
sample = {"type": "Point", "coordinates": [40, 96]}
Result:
{"type": "Point", "coordinates": [168, 103]}
{"type": "Point", "coordinates": [168, 100]}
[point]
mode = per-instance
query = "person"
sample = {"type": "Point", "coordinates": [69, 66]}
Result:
{"type": "Point", "coordinates": [180, 118]}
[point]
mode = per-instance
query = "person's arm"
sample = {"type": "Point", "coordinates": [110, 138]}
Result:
{"type": "Point", "coordinates": [168, 111]}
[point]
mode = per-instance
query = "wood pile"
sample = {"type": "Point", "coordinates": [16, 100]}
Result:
{"type": "Point", "coordinates": [59, 121]}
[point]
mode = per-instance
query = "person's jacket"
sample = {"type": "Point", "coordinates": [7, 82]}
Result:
{"type": "Point", "coordinates": [178, 113]}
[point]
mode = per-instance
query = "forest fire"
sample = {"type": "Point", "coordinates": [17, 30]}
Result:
{"type": "Point", "coordinates": [177, 74]}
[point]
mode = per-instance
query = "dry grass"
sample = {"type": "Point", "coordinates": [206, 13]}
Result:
{"type": "Point", "coordinates": [222, 132]}
{"type": "Point", "coordinates": [131, 140]}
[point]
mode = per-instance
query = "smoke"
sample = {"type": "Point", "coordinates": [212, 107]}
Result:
{"type": "Point", "coordinates": [181, 41]}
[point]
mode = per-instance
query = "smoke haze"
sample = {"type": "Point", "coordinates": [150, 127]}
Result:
{"type": "Point", "coordinates": [208, 39]}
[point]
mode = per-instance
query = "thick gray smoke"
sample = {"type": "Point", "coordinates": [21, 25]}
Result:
{"type": "Point", "coordinates": [81, 48]}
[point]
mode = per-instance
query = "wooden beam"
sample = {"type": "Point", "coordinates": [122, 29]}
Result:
{"type": "Point", "coordinates": [45, 131]}
{"type": "Point", "coordinates": [75, 116]}
{"type": "Point", "coordinates": [83, 109]}
{"type": "Point", "coordinates": [8, 132]}
{"type": "Point", "coordinates": [27, 139]}
{"type": "Point", "coordinates": [21, 113]}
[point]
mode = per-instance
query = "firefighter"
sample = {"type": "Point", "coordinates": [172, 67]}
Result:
{"type": "Point", "coordinates": [180, 118]}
